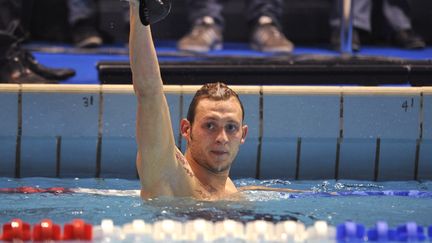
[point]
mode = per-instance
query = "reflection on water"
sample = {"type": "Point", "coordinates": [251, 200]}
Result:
{"type": "Point", "coordinates": [188, 209]}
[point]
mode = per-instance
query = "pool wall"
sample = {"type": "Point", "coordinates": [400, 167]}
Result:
{"type": "Point", "coordinates": [295, 132]}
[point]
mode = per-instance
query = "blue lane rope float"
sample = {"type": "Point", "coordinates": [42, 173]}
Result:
{"type": "Point", "coordinates": [350, 231]}
{"type": "Point", "coordinates": [399, 193]}
{"type": "Point", "coordinates": [381, 232]}
{"type": "Point", "coordinates": [353, 232]}
{"type": "Point", "coordinates": [410, 232]}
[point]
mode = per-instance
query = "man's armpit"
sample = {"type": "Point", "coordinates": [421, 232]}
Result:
{"type": "Point", "coordinates": [182, 160]}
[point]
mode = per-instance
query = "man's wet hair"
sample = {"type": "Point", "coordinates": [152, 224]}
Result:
{"type": "Point", "coordinates": [213, 91]}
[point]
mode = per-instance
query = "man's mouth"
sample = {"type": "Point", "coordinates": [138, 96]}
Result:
{"type": "Point", "coordinates": [219, 152]}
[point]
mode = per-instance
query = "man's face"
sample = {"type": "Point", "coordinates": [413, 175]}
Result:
{"type": "Point", "coordinates": [216, 134]}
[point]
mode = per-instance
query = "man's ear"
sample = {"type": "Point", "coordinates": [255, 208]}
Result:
{"type": "Point", "coordinates": [244, 133]}
{"type": "Point", "coordinates": [185, 127]}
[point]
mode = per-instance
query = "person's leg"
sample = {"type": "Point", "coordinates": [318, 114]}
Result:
{"type": "Point", "coordinates": [15, 17]}
{"type": "Point", "coordinates": [80, 10]}
{"type": "Point", "coordinates": [83, 20]}
{"type": "Point", "coordinates": [264, 17]}
{"type": "Point", "coordinates": [361, 11]}
{"type": "Point", "coordinates": [198, 9]}
{"type": "Point", "coordinates": [396, 13]}
{"type": "Point", "coordinates": [18, 65]}
{"type": "Point", "coordinates": [258, 8]}
{"type": "Point", "coordinates": [207, 25]}
{"type": "Point", "coordinates": [10, 19]}
{"type": "Point", "coordinates": [9, 11]}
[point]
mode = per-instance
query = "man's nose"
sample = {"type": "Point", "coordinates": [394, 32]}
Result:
{"type": "Point", "coordinates": [222, 137]}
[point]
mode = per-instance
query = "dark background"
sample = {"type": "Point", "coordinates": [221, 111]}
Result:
{"type": "Point", "coordinates": [304, 21]}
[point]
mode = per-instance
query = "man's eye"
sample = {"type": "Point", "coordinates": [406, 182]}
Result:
{"type": "Point", "coordinates": [210, 126]}
{"type": "Point", "coordinates": [231, 128]}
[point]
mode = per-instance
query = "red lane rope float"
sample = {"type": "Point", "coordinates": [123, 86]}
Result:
{"type": "Point", "coordinates": [78, 229]}
{"type": "Point", "coordinates": [16, 229]}
{"type": "Point", "coordinates": [31, 189]}
{"type": "Point", "coordinates": [46, 230]}
{"type": "Point", "coordinates": [62, 190]}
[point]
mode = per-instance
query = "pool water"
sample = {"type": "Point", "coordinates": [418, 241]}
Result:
{"type": "Point", "coordinates": [117, 199]}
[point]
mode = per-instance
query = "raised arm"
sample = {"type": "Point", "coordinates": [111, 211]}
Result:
{"type": "Point", "coordinates": [144, 63]}
{"type": "Point", "coordinates": [156, 146]}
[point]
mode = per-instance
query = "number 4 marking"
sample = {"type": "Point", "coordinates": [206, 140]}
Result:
{"type": "Point", "coordinates": [407, 104]}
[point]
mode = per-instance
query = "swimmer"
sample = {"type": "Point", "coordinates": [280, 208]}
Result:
{"type": "Point", "coordinates": [214, 129]}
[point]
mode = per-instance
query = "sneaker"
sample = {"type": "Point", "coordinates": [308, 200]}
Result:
{"type": "Point", "coordinates": [205, 36]}
{"type": "Point", "coordinates": [266, 37]}
{"type": "Point", "coordinates": [85, 35]}
{"type": "Point", "coordinates": [335, 39]}
{"type": "Point", "coordinates": [408, 39]}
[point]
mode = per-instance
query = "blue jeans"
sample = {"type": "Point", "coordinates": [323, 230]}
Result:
{"type": "Point", "coordinates": [254, 10]}
{"type": "Point", "coordinates": [395, 12]}
{"type": "Point", "coordinates": [81, 10]}
{"type": "Point", "coordinates": [15, 13]}
{"type": "Point", "coordinates": [20, 11]}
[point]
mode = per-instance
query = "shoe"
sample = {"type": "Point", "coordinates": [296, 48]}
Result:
{"type": "Point", "coordinates": [44, 71]}
{"type": "Point", "coordinates": [16, 70]}
{"type": "Point", "coordinates": [266, 37]}
{"type": "Point", "coordinates": [205, 36]}
{"type": "Point", "coordinates": [85, 35]}
{"type": "Point", "coordinates": [408, 39]}
{"type": "Point", "coordinates": [18, 65]}
{"type": "Point", "coordinates": [335, 39]}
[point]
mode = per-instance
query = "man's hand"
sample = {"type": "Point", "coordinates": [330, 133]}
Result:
{"type": "Point", "coordinates": [152, 11]}
{"type": "Point", "coordinates": [133, 3]}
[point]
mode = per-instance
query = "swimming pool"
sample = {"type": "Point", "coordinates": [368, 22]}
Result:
{"type": "Point", "coordinates": [363, 202]}
{"type": "Point", "coordinates": [372, 145]}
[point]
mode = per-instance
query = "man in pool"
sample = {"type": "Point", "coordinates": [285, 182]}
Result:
{"type": "Point", "coordinates": [214, 129]}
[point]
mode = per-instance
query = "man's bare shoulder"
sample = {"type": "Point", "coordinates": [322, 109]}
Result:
{"type": "Point", "coordinates": [230, 187]}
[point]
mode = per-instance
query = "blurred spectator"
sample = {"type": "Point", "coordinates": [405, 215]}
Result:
{"type": "Point", "coordinates": [18, 65]}
{"type": "Point", "coordinates": [263, 16]}
{"type": "Point", "coordinates": [394, 11]}
{"type": "Point", "coordinates": [83, 20]}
